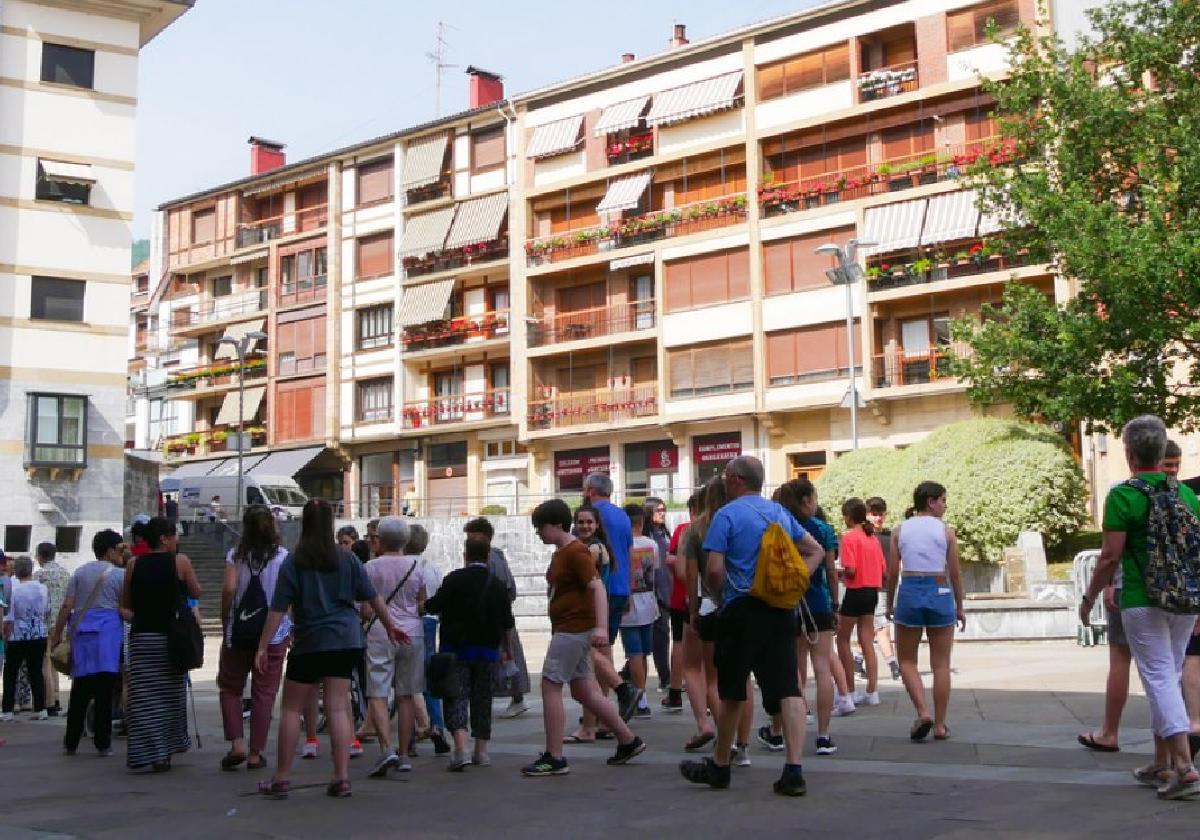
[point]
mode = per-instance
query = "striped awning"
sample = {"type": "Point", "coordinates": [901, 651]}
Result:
{"type": "Point", "coordinates": [237, 332]}
{"type": "Point", "coordinates": [623, 115]}
{"type": "Point", "coordinates": [426, 233]}
{"type": "Point", "coordinates": [425, 303]}
{"type": "Point", "coordinates": [695, 100]}
{"type": "Point", "coordinates": [228, 415]}
{"type": "Point", "coordinates": [62, 172]}
{"type": "Point", "coordinates": [894, 227]}
{"type": "Point", "coordinates": [478, 220]}
{"type": "Point", "coordinates": [423, 162]}
{"type": "Point", "coordinates": [624, 193]}
{"type": "Point", "coordinates": [556, 138]}
{"type": "Point", "coordinates": [951, 216]}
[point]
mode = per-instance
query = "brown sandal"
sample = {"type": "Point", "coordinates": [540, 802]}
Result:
{"type": "Point", "coordinates": [273, 789]}
{"type": "Point", "coordinates": [338, 788]}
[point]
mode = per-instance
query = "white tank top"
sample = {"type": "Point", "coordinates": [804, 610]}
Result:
{"type": "Point", "coordinates": [923, 545]}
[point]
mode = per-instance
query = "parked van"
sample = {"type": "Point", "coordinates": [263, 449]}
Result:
{"type": "Point", "coordinates": [280, 493]}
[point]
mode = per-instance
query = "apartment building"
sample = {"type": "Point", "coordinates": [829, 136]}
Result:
{"type": "Point", "coordinates": [68, 98]}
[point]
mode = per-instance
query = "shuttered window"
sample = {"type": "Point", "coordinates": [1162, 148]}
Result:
{"type": "Point", "coordinates": [375, 255]}
{"type": "Point", "coordinates": [907, 140]}
{"type": "Point", "coordinates": [814, 161]}
{"type": "Point", "coordinates": [708, 279]}
{"type": "Point", "coordinates": [792, 265]}
{"type": "Point", "coordinates": [487, 150]}
{"type": "Point", "coordinates": [300, 345]}
{"type": "Point", "coordinates": [723, 368]}
{"type": "Point", "coordinates": [804, 72]}
{"type": "Point", "coordinates": [300, 410]}
{"type": "Point", "coordinates": [810, 354]}
{"type": "Point", "coordinates": [968, 28]}
{"type": "Point", "coordinates": [374, 181]}
{"type": "Point", "coordinates": [204, 226]}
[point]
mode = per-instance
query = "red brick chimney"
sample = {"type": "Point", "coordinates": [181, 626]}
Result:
{"type": "Point", "coordinates": [265, 155]}
{"type": "Point", "coordinates": [680, 37]}
{"type": "Point", "coordinates": [486, 87]}
{"type": "Point", "coordinates": [627, 58]}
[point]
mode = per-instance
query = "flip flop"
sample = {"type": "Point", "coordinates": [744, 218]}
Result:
{"type": "Point", "coordinates": [575, 739]}
{"type": "Point", "coordinates": [920, 729]}
{"type": "Point", "coordinates": [232, 760]}
{"type": "Point", "coordinates": [1089, 741]}
{"type": "Point", "coordinates": [698, 742]}
{"type": "Point", "coordinates": [604, 735]}
{"type": "Point", "coordinates": [945, 736]}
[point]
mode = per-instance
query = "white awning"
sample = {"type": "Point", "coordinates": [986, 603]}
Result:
{"type": "Point", "coordinates": [192, 469]}
{"type": "Point", "coordinates": [623, 115]}
{"type": "Point", "coordinates": [556, 138]}
{"type": "Point", "coordinates": [287, 462]}
{"type": "Point", "coordinates": [624, 193]}
{"type": "Point", "coordinates": [478, 220]}
{"type": "Point", "coordinates": [249, 257]}
{"type": "Point", "coordinates": [695, 100]}
{"type": "Point", "coordinates": [67, 173]}
{"type": "Point", "coordinates": [630, 262]}
{"type": "Point", "coordinates": [425, 303]}
{"type": "Point", "coordinates": [423, 162]}
{"type": "Point", "coordinates": [951, 216]}
{"type": "Point", "coordinates": [426, 233]}
{"type": "Point", "coordinates": [230, 465]}
{"type": "Point", "coordinates": [894, 227]}
{"type": "Point", "coordinates": [237, 332]}
{"type": "Point", "coordinates": [228, 415]}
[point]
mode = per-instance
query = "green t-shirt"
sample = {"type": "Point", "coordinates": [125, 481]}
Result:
{"type": "Point", "coordinates": [1126, 509]}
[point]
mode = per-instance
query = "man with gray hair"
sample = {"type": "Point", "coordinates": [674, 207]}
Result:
{"type": "Point", "coordinates": [401, 667]}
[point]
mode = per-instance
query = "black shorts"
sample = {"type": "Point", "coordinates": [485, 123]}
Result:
{"type": "Point", "coordinates": [809, 623]}
{"type": "Point", "coordinates": [859, 602]}
{"type": "Point", "coordinates": [310, 668]}
{"type": "Point", "coordinates": [755, 638]}
{"type": "Point", "coordinates": [678, 619]}
{"type": "Point", "coordinates": [1193, 648]}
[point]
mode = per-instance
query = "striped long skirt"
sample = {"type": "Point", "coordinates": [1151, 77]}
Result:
{"type": "Point", "coordinates": [157, 703]}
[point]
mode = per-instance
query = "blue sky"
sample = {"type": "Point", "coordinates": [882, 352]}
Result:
{"type": "Point", "coordinates": [319, 74]}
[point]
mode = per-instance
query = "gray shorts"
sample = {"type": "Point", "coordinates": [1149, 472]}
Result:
{"type": "Point", "coordinates": [390, 665]}
{"type": "Point", "coordinates": [1116, 629]}
{"type": "Point", "coordinates": [568, 658]}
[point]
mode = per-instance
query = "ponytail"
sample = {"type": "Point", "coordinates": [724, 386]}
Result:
{"type": "Point", "coordinates": [855, 511]}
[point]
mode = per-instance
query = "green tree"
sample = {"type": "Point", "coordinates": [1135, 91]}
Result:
{"type": "Point", "coordinates": [1109, 133]}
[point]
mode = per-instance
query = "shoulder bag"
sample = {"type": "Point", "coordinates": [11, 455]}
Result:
{"type": "Point", "coordinates": [185, 639]}
{"type": "Point", "coordinates": [60, 657]}
{"type": "Point", "coordinates": [371, 622]}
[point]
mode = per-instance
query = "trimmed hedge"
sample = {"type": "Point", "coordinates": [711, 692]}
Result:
{"type": "Point", "coordinates": [1001, 477]}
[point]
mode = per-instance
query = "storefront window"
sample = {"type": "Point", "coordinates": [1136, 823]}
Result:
{"type": "Point", "coordinates": [573, 466]}
{"type": "Point", "coordinates": [710, 454]}
{"type": "Point", "coordinates": [650, 469]}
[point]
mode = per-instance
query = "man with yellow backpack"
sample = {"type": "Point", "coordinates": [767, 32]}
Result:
{"type": "Point", "coordinates": [759, 557]}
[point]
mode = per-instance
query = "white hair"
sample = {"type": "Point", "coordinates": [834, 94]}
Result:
{"type": "Point", "coordinates": [393, 533]}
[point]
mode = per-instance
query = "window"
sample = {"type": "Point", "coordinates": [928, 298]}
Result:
{"type": "Point", "coordinates": [69, 183]}
{"type": "Point", "coordinates": [907, 140]}
{"type": "Point", "coordinates": [222, 286]}
{"type": "Point", "coordinates": [204, 226]}
{"type": "Point", "coordinates": [66, 538]}
{"type": "Point", "coordinates": [375, 327]}
{"type": "Point", "coordinates": [968, 28]}
{"type": "Point", "coordinates": [487, 150]}
{"type": "Point", "coordinates": [711, 369]}
{"type": "Point", "coordinates": [792, 265]}
{"type": "Point", "coordinates": [375, 400]}
{"type": "Point", "coordinates": [302, 276]}
{"type": "Point", "coordinates": [374, 255]}
{"type": "Point", "coordinates": [503, 449]}
{"type": "Point", "coordinates": [707, 279]}
{"type": "Point", "coordinates": [788, 161]}
{"type": "Point", "coordinates": [16, 538]}
{"type": "Point", "coordinates": [260, 277]}
{"type": "Point", "coordinates": [57, 434]}
{"type": "Point", "coordinates": [374, 181]}
{"type": "Point", "coordinates": [803, 72]}
{"type": "Point", "coordinates": [68, 65]}
{"type": "Point", "coordinates": [300, 342]}
{"type": "Point", "coordinates": [300, 410]}
{"type": "Point", "coordinates": [55, 299]}
{"type": "Point", "coordinates": [444, 456]}
{"type": "Point", "coordinates": [919, 336]}
{"type": "Point", "coordinates": [810, 354]}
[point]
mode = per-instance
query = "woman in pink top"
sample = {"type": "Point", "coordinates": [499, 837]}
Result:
{"type": "Point", "coordinates": [862, 576]}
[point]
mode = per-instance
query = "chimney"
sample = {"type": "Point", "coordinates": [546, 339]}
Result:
{"type": "Point", "coordinates": [486, 87]}
{"type": "Point", "coordinates": [265, 155]}
{"type": "Point", "coordinates": [680, 38]}
{"type": "Point", "coordinates": [627, 58]}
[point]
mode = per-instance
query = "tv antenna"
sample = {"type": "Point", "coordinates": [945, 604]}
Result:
{"type": "Point", "coordinates": [438, 58]}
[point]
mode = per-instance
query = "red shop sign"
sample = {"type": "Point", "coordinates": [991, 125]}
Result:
{"type": "Point", "coordinates": [716, 449]}
{"type": "Point", "coordinates": [662, 458]}
{"type": "Point", "coordinates": [581, 462]}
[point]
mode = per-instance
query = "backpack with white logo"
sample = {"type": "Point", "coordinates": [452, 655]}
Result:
{"type": "Point", "coordinates": [1172, 571]}
{"type": "Point", "coordinates": [250, 613]}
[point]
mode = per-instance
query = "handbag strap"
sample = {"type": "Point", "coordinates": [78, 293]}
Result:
{"type": "Point", "coordinates": [91, 599]}
{"type": "Point", "coordinates": [367, 627]}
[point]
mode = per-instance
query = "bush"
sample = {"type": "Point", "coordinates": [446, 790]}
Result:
{"type": "Point", "coordinates": [493, 510]}
{"type": "Point", "coordinates": [1001, 477]}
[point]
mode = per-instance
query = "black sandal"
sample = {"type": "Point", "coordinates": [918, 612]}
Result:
{"type": "Point", "coordinates": [338, 789]}
{"type": "Point", "coordinates": [920, 730]}
{"type": "Point", "coordinates": [232, 760]}
{"type": "Point", "coordinates": [256, 765]}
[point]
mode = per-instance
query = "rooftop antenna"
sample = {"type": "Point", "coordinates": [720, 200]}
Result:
{"type": "Point", "coordinates": [438, 58]}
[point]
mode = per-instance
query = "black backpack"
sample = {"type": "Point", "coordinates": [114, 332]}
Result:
{"type": "Point", "coordinates": [250, 613]}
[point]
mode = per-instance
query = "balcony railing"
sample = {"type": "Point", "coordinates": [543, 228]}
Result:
{"type": "Point", "coordinates": [595, 322]}
{"type": "Point", "coordinates": [482, 252]}
{"type": "Point", "coordinates": [888, 81]}
{"type": "Point", "coordinates": [456, 331]}
{"type": "Point", "coordinates": [457, 408]}
{"type": "Point", "coordinates": [648, 227]}
{"type": "Point", "coordinates": [605, 405]}
{"type": "Point", "coordinates": [250, 234]}
{"type": "Point", "coordinates": [429, 192]}
{"type": "Point", "coordinates": [901, 367]}
{"type": "Point", "coordinates": [216, 375]}
{"type": "Point", "coordinates": [218, 309]}
{"type": "Point", "coordinates": [894, 271]}
{"type": "Point", "coordinates": [303, 290]}
{"type": "Point", "coordinates": [634, 147]}
{"type": "Point", "coordinates": [880, 178]}
{"type": "Point", "coordinates": [260, 231]}
{"type": "Point", "coordinates": [222, 439]}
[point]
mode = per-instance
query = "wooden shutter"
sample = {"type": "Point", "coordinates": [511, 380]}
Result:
{"type": "Point", "coordinates": [711, 368]}
{"type": "Point", "coordinates": [816, 348]}
{"type": "Point", "coordinates": [318, 328]}
{"type": "Point", "coordinates": [1006, 14]}
{"type": "Point", "coordinates": [837, 64]}
{"type": "Point", "coordinates": [852, 153]}
{"type": "Point", "coordinates": [317, 407]}
{"type": "Point", "coordinates": [806, 71]}
{"type": "Point", "coordinates": [812, 162]}
{"type": "Point", "coordinates": [770, 81]}
{"type": "Point", "coordinates": [808, 267]}
{"type": "Point", "coordinates": [781, 354]}
{"type": "Point", "coordinates": [644, 370]}
{"type": "Point", "coordinates": [375, 255]}
{"type": "Point", "coordinates": [680, 368]}
{"type": "Point", "coordinates": [960, 30]}
{"type": "Point", "coordinates": [285, 412]}
{"type": "Point", "coordinates": [741, 363]}
{"type": "Point", "coordinates": [487, 149]}
{"type": "Point", "coordinates": [777, 267]}
{"type": "Point", "coordinates": [897, 142]}
{"type": "Point", "coordinates": [204, 226]}
{"type": "Point", "coordinates": [980, 126]}
{"type": "Point", "coordinates": [739, 274]}
{"type": "Point", "coordinates": [314, 195]}
{"type": "Point", "coordinates": [374, 181]}
{"type": "Point", "coordinates": [710, 280]}
{"type": "Point", "coordinates": [678, 286]}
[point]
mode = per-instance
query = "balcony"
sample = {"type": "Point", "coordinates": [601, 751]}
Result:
{"type": "Point", "coordinates": [586, 408]}
{"type": "Point", "coordinates": [468, 255]}
{"type": "Point", "coordinates": [223, 308]}
{"type": "Point", "coordinates": [304, 290]}
{"type": "Point", "coordinates": [456, 331]}
{"type": "Point", "coordinates": [648, 227]}
{"type": "Point", "coordinates": [429, 192]}
{"type": "Point", "coordinates": [457, 408]}
{"type": "Point", "coordinates": [595, 322]}
{"type": "Point", "coordinates": [217, 375]}
{"type": "Point", "coordinates": [890, 176]}
{"type": "Point", "coordinates": [221, 439]}
{"type": "Point", "coordinates": [886, 82]}
{"type": "Point", "coordinates": [626, 149]}
{"type": "Point", "coordinates": [899, 367]}
{"type": "Point", "coordinates": [260, 232]}
{"type": "Point", "coordinates": [970, 259]}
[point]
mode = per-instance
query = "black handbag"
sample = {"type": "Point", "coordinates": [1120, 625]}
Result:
{"type": "Point", "coordinates": [185, 640]}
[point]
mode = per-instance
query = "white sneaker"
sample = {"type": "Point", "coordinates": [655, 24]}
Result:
{"type": "Point", "coordinates": [7, 717]}
{"type": "Point", "coordinates": [843, 707]}
{"type": "Point", "coordinates": [871, 699]}
{"type": "Point", "coordinates": [481, 760]}
{"type": "Point", "coordinates": [859, 697]}
{"type": "Point", "coordinates": [310, 749]}
{"type": "Point", "coordinates": [741, 755]}
{"type": "Point", "coordinates": [405, 766]}
{"type": "Point", "coordinates": [41, 715]}
{"type": "Point", "coordinates": [809, 719]}
{"type": "Point", "coordinates": [514, 709]}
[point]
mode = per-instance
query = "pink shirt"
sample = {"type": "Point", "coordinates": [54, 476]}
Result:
{"type": "Point", "coordinates": [862, 554]}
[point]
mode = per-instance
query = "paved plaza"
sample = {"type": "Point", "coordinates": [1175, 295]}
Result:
{"type": "Point", "coordinates": [1012, 769]}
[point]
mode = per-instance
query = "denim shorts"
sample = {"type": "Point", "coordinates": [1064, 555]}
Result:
{"type": "Point", "coordinates": [638, 641]}
{"type": "Point", "coordinates": [923, 602]}
{"type": "Point", "coordinates": [616, 609]}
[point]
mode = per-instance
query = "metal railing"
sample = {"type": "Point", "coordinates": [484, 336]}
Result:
{"type": "Point", "coordinates": [216, 375]}
{"type": "Point", "coordinates": [429, 192]}
{"type": "Point", "coordinates": [457, 408]}
{"type": "Point", "coordinates": [211, 441]}
{"type": "Point", "coordinates": [595, 322]}
{"type": "Point", "coordinates": [885, 82]}
{"type": "Point", "coordinates": [482, 252]}
{"type": "Point", "coordinates": [899, 367]}
{"type": "Point", "coordinates": [220, 308]}
{"type": "Point", "coordinates": [895, 271]}
{"type": "Point", "coordinates": [456, 331]}
{"type": "Point", "coordinates": [603, 405]}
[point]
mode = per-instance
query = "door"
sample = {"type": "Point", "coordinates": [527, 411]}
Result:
{"type": "Point", "coordinates": [641, 293]}
{"type": "Point", "coordinates": [447, 392]}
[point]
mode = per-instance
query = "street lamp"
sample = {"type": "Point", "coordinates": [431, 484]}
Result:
{"type": "Point", "coordinates": [847, 274]}
{"type": "Point", "coordinates": [240, 348]}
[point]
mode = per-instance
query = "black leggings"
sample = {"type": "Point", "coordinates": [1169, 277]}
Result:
{"type": "Point", "coordinates": [94, 688]}
{"type": "Point", "coordinates": [475, 680]}
{"type": "Point", "coordinates": [29, 653]}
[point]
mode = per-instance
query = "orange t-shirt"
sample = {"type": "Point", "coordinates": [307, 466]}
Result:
{"type": "Point", "coordinates": [572, 608]}
{"type": "Point", "coordinates": [862, 554]}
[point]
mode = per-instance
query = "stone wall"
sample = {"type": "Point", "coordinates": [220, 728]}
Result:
{"type": "Point", "coordinates": [141, 489]}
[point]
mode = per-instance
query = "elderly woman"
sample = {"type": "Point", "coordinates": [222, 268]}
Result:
{"type": "Point", "coordinates": [1158, 639]}
{"type": "Point", "coordinates": [25, 637]}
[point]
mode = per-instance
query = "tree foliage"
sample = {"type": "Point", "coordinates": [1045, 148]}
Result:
{"type": "Point", "coordinates": [1109, 133]}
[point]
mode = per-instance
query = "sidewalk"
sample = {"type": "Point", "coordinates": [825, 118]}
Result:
{"type": "Point", "coordinates": [1012, 768]}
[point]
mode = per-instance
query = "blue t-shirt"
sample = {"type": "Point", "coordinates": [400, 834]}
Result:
{"type": "Point", "coordinates": [736, 532]}
{"type": "Point", "coordinates": [620, 541]}
{"type": "Point", "coordinates": [818, 597]}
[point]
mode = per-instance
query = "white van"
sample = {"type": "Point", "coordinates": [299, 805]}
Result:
{"type": "Point", "coordinates": [280, 493]}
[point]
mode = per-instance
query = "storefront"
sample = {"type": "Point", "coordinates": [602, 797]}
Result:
{"type": "Point", "coordinates": [446, 472]}
{"type": "Point", "coordinates": [710, 454]}
{"type": "Point", "coordinates": [384, 480]}
{"type": "Point", "coordinates": [650, 470]}
{"type": "Point", "coordinates": [574, 465]}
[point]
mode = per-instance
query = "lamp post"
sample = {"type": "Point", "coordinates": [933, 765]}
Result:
{"type": "Point", "coordinates": [241, 347]}
{"type": "Point", "coordinates": [847, 274]}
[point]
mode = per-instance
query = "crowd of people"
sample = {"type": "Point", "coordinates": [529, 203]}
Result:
{"type": "Point", "coordinates": [367, 637]}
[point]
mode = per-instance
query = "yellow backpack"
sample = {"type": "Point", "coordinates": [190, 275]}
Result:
{"type": "Point", "coordinates": [781, 578]}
